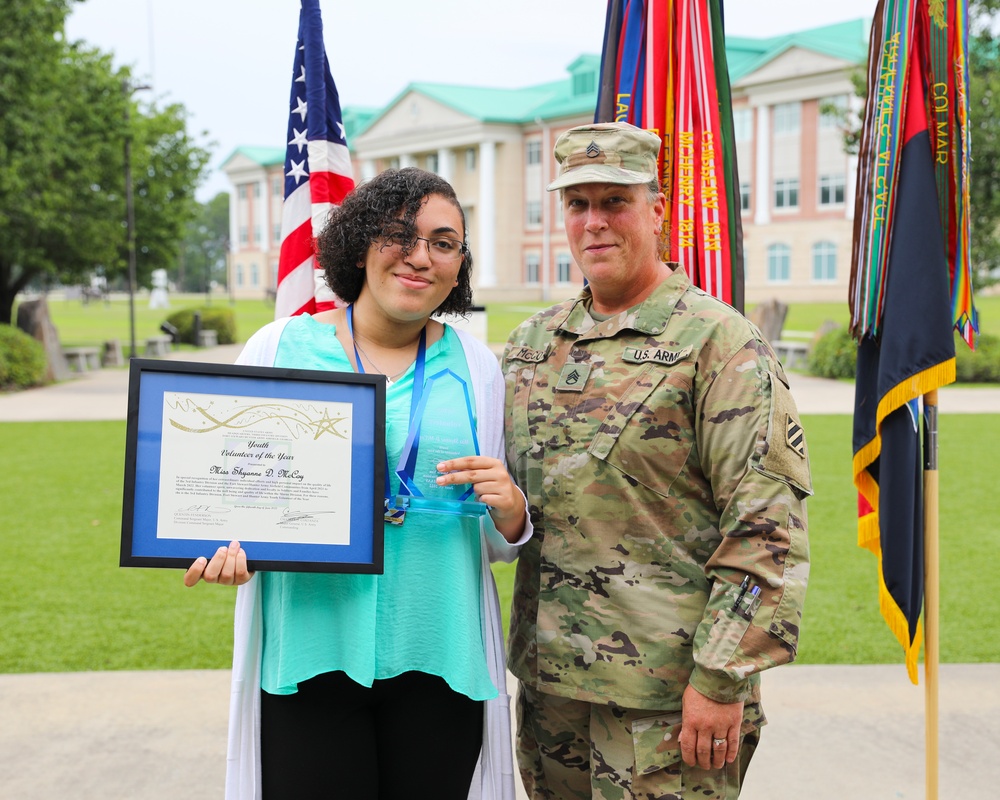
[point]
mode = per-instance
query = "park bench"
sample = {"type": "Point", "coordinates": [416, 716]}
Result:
{"type": "Point", "coordinates": [791, 354]}
{"type": "Point", "coordinates": [112, 355]}
{"type": "Point", "coordinates": [81, 359]}
{"type": "Point", "coordinates": [157, 346]}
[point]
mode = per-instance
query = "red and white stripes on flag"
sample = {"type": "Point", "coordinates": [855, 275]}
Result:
{"type": "Point", "coordinates": [318, 171]}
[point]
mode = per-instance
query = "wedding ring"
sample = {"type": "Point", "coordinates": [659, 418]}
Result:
{"type": "Point", "coordinates": [718, 742]}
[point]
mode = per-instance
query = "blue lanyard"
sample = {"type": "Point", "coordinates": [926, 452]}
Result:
{"type": "Point", "coordinates": [418, 388]}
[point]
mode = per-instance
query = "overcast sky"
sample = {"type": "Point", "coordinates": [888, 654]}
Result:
{"type": "Point", "coordinates": [229, 61]}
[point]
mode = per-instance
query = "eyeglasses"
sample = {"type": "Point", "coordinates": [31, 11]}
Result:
{"type": "Point", "coordinates": [440, 249]}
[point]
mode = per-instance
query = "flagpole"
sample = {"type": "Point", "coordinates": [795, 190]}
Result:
{"type": "Point", "coordinates": [931, 592]}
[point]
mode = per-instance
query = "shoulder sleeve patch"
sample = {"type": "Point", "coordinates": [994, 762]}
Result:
{"type": "Point", "coordinates": [786, 456]}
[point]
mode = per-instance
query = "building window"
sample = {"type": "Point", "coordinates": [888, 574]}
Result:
{"type": "Point", "coordinates": [787, 118]}
{"type": "Point", "coordinates": [743, 124]}
{"type": "Point", "coordinates": [832, 111]}
{"type": "Point", "coordinates": [531, 268]}
{"type": "Point", "coordinates": [241, 190]}
{"type": "Point", "coordinates": [533, 152]}
{"type": "Point", "coordinates": [244, 234]}
{"type": "Point", "coordinates": [257, 238]}
{"type": "Point", "coordinates": [786, 193]}
{"type": "Point", "coordinates": [432, 162]}
{"type": "Point", "coordinates": [824, 262]}
{"type": "Point", "coordinates": [534, 212]}
{"type": "Point", "coordinates": [277, 187]}
{"type": "Point", "coordinates": [256, 190]}
{"type": "Point", "coordinates": [277, 232]}
{"type": "Point", "coordinates": [563, 268]}
{"type": "Point", "coordinates": [831, 190]}
{"type": "Point", "coordinates": [470, 159]}
{"type": "Point", "coordinates": [779, 263]}
{"type": "Point", "coordinates": [254, 275]}
{"type": "Point", "coordinates": [744, 195]}
{"type": "Point", "coordinates": [239, 275]}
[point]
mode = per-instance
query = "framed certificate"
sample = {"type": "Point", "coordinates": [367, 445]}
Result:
{"type": "Point", "coordinates": [289, 462]}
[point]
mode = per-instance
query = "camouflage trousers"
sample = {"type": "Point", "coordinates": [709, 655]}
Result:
{"type": "Point", "coordinates": [572, 750]}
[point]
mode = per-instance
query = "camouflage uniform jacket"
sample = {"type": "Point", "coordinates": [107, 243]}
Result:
{"type": "Point", "coordinates": [663, 461]}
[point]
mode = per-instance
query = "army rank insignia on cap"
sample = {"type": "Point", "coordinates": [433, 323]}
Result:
{"type": "Point", "coordinates": [795, 436]}
{"type": "Point", "coordinates": [593, 151]}
{"type": "Point", "coordinates": [573, 378]}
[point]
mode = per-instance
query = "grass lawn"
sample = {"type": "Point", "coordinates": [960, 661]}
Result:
{"type": "Point", "coordinates": [82, 325]}
{"type": "Point", "coordinates": [67, 606]}
{"type": "Point", "coordinates": [93, 324]}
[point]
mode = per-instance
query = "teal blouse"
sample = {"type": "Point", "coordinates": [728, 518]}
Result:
{"type": "Point", "coordinates": [423, 613]}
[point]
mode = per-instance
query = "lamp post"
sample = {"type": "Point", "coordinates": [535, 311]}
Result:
{"type": "Point", "coordinates": [127, 90]}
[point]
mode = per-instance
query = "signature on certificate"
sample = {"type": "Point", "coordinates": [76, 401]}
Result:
{"type": "Point", "coordinates": [288, 515]}
{"type": "Point", "coordinates": [203, 509]}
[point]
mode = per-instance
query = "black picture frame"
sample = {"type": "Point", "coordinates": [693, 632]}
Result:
{"type": "Point", "coordinates": [178, 411]}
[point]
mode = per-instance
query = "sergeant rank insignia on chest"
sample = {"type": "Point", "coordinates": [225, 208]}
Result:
{"type": "Point", "coordinates": [573, 378]}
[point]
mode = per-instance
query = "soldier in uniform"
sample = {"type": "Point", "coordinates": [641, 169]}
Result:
{"type": "Point", "coordinates": [653, 431]}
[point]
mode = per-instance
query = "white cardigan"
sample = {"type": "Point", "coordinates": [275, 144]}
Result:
{"type": "Point", "coordinates": [494, 779]}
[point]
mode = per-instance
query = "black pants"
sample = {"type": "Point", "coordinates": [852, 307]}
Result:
{"type": "Point", "coordinates": [409, 736]}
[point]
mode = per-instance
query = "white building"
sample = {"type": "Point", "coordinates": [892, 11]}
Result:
{"type": "Point", "coordinates": [495, 147]}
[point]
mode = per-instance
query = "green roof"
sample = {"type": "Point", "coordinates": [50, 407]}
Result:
{"type": "Point", "coordinates": [569, 96]}
{"type": "Point", "coordinates": [265, 156]}
{"type": "Point", "coordinates": [577, 94]}
{"type": "Point", "coordinates": [847, 41]}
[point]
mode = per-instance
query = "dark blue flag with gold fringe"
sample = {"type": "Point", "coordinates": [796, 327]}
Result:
{"type": "Point", "coordinates": [906, 349]}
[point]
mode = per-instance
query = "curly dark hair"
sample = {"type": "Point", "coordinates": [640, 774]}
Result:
{"type": "Point", "coordinates": [389, 201]}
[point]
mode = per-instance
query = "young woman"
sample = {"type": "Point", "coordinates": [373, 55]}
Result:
{"type": "Point", "coordinates": [390, 685]}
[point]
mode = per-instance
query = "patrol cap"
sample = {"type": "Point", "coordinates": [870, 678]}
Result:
{"type": "Point", "coordinates": [606, 152]}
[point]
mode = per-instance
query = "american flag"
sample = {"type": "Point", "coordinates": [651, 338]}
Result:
{"type": "Point", "coordinates": [317, 171]}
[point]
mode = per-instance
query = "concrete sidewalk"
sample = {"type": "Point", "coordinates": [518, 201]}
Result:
{"type": "Point", "coordinates": [103, 394]}
{"type": "Point", "coordinates": [834, 732]}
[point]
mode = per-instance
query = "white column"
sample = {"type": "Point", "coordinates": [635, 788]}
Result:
{"type": "Point", "coordinates": [850, 190]}
{"type": "Point", "coordinates": [762, 168]}
{"type": "Point", "coordinates": [407, 160]}
{"type": "Point", "coordinates": [856, 111]}
{"type": "Point", "coordinates": [367, 169]}
{"type": "Point", "coordinates": [486, 255]}
{"type": "Point", "coordinates": [446, 164]}
{"type": "Point", "coordinates": [262, 205]}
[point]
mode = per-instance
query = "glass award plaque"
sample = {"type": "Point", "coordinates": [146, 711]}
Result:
{"type": "Point", "coordinates": [442, 427]}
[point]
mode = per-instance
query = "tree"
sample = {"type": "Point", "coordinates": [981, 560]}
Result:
{"type": "Point", "coordinates": [167, 167]}
{"type": "Point", "coordinates": [984, 121]}
{"type": "Point", "coordinates": [206, 244]}
{"type": "Point", "coordinates": [62, 132]}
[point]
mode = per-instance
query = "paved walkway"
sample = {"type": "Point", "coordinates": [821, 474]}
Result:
{"type": "Point", "coordinates": [103, 394]}
{"type": "Point", "coordinates": [834, 732]}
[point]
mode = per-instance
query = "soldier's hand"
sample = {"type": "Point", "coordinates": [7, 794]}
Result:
{"type": "Point", "coordinates": [493, 486]}
{"type": "Point", "coordinates": [227, 567]}
{"type": "Point", "coordinates": [710, 731]}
